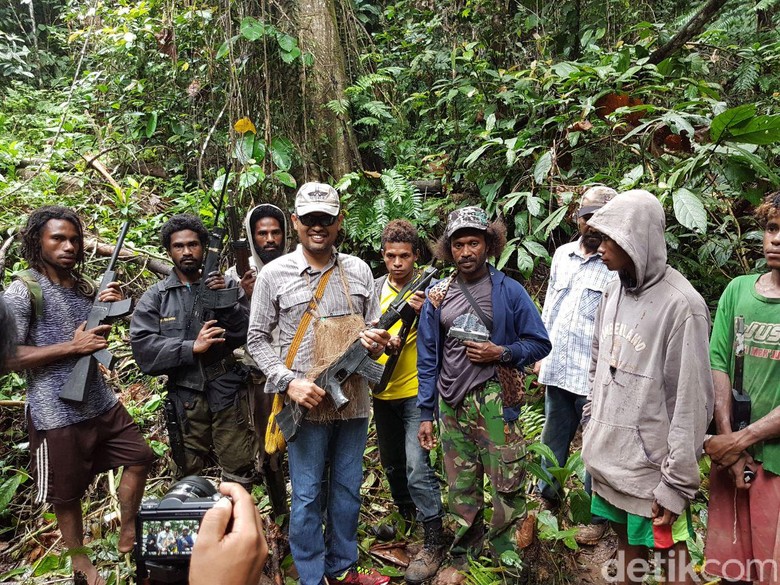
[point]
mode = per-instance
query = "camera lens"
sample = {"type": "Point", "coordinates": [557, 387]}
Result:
{"type": "Point", "coordinates": [191, 486]}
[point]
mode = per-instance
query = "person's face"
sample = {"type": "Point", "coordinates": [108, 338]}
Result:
{"type": "Point", "coordinates": [399, 259]}
{"type": "Point", "coordinates": [316, 238]}
{"type": "Point", "coordinates": [60, 245]}
{"type": "Point", "coordinates": [186, 251]}
{"type": "Point", "coordinates": [469, 250]}
{"type": "Point", "coordinates": [613, 256]}
{"type": "Point", "coordinates": [268, 237]}
{"type": "Point", "coordinates": [591, 238]}
{"type": "Point", "coordinates": [772, 242]}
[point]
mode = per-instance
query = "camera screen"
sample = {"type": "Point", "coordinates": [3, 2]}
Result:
{"type": "Point", "coordinates": [169, 538]}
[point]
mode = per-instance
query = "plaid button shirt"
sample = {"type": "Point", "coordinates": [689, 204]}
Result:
{"type": "Point", "coordinates": [573, 296]}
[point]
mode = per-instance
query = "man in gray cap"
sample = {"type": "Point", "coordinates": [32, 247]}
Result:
{"type": "Point", "coordinates": [458, 378]}
{"type": "Point", "coordinates": [320, 301]}
{"type": "Point", "coordinates": [577, 280]}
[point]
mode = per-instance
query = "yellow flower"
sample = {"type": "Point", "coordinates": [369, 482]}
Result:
{"type": "Point", "coordinates": [245, 125]}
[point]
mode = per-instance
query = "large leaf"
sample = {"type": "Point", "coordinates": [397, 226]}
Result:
{"type": "Point", "coordinates": [285, 179]}
{"type": "Point", "coordinates": [730, 118]}
{"type": "Point", "coordinates": [544, 451]}
{"type": "Point", "coordinates": [579, 502]}
{"type": "Point", "coordinates": [759, 130]}
{"type": "Point", "coordinates": [543, 166]}
{"type": "Point", "coordinates": [151, 124]}
{"type": "Point", "coordinates": [8, 490]}
{"type": "Point", "coordinates": [281, 152]}
{"type": "Point", "coordinates": [689, 210]}
{"type": "Point", "coordinates": [252, 29]}
{"type": "Point", "coordinates": [244, 149]}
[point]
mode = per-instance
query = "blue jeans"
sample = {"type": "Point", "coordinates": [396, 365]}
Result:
{"type": "Point", "coordinates": [563, 413]}
{"type": "Point", "coordinates": [341, 444]}
{"type": "Point", "coordinates": [413, 483]}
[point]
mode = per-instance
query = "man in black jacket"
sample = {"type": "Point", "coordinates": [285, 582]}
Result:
{"type": "Point", "coordinates": [171, 335]}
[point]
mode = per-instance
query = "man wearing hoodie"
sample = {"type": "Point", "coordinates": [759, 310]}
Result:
{"type": "Point", "coordinates": [266, 232]}
{"type": "Point", "coordinates": [743, 533]}
{"type": "Point", "coordinates": [651, 392]}
{"type": "Point", "coordinates": [458, 380]}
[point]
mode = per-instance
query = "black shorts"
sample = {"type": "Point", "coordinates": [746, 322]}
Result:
{"type": "Point", "coordinates": [66, 460]}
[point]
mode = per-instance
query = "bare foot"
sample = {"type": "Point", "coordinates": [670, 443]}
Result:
{"type": "Point", "coordinates": [82, 564]}
{"type": "Point", "coordinates": [126, 538]}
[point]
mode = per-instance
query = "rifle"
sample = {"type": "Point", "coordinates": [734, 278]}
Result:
{"type": "Point", "coordinates": [355, 360]}
{"type": "Point", "coordinates": [175, 435]}
{"type": "Point", "coordinates": [75, 388]}
{"type": "Point", "coordinates": [740, 402]}
{"type": "Point", "coordinates": [239, 245]}
{"type": "Point", "coordinates": [406, 327]}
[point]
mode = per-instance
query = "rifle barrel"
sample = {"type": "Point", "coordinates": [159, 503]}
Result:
{"type": "Point", "coordinates": [120, 241]}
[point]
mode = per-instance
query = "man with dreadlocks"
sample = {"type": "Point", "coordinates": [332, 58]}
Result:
{"type": "Point", "coordinates": [70, 442]}
{"type": "Point", "coordinates": [743, 535]}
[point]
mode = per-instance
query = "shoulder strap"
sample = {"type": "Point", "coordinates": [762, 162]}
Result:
{"type": "Point", "coordinates": [34, 288]}
{"type": "Point", "coordinates": [306, 319]}
{"type": "Point", "coordinates": [486, 321]}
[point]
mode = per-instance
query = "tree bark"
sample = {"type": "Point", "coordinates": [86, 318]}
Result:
{"type": "Point", "coordinates": [328, 138]}
{"type": "Point", "coordinates": [693, 27]}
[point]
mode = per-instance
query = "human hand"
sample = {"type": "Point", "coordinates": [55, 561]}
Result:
{"type": "Point", "coordinates": [483, 352]}
{"type": "Point", "coordinates": [374, 340]}
{"type": "Point", "coordinates": [305, 392]}
{"type": "Point", "coordinates": [86, 341]}
{"type": "Point", "coordinates": [234, 557]}
{"type": "Point", "coordinates": [394, 345]}
{"type": "Point", "coordinates": [208, 335]}
{"type": "Point", "coordinates": [248, 282]}
{"type": "Point", "coordinates": [737, 471]}
{"type": "Point", "coordinates": [724, 450]}
{"type": "Point", "coordinates": [215, 281]}
{"type": "Point", "coordinates": [416, 301]}
{"type": "Point", "coordinates": [111, 294]}
{"type": "Point", "coordinates": [537, 368]}
{"type": "Point", "coordinates": [661, 516]}
{"type": "Point", "coordinates": [426, 435]}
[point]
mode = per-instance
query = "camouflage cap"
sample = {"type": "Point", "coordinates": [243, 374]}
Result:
{"type": "Point", "coordinates": [595, 198]}
{"type": "Point", "coordinates": [466, 217]}
{"type": "Point", "coordinates": [317, 198]}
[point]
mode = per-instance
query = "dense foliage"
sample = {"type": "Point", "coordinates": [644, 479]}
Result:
{"type": "Point", "coordinates": [133, 110]}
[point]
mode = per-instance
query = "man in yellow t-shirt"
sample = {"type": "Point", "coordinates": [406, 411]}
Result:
{"type": "Point", "coordinates": [413, 483]}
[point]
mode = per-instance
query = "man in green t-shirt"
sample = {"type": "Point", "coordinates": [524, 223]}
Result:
{"type": "Point", "coordinates": [743, 536]}
{"type": "Point", "coordinates": [413, 483]}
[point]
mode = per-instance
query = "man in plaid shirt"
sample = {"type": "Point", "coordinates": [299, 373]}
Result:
{"type": "Point", "coordinates": [577, 279]}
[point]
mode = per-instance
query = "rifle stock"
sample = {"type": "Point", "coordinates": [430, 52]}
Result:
{"type": "Point", "coordinates": [75, 387]}
{"type": "Point", "coordinates": [740, 402]}
{"type": "Point", "coordinates": [355, 360]}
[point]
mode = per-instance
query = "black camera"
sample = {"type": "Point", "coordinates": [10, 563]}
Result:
{"type": "Point", "coordinates": [166, 530]}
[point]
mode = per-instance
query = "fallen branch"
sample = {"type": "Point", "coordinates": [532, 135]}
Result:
{"type": "Point", "coordinates": [4, 251]}
{"type": "Point", "coordinates": [692, 28]}
{"type": "Point", "coordinates": [17, 403]}
{"type": "Point", "coordinates": [159, 267]}
{"type": "Point", "coordinates": [92, 161]}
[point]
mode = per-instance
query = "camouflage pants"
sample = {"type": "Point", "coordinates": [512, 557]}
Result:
{"type": "Point", "coordinates": [476, 442]}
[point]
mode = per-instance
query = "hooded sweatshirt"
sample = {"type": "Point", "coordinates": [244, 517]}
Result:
{"type": "Point", "coordinates": [259, 211]}
{"type": "Point", "coordinates": [651, 391]}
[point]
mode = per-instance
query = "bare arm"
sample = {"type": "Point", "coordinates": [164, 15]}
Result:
{"type": "Point", "coordinates": [722, 384]}
{"type": "Point", "coordinates": [83, 343]}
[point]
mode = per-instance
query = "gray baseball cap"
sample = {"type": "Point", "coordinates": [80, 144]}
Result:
{"type": "Point", "coordinates": [317, 198]}
{"type": "Point", "coordinates": [594, 199]}
{"type": "Point", "coordinates": [466, 217]}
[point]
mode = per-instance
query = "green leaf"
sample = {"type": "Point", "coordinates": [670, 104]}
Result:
{"type": "Point", "coordinates": [536, 249]}
{"type": "Point", "coordinates": [251, 176]}
{"type": "Point", "coordinates": [224, 49]}
{"type": "Point", "coordinates": [525, 263]}
{"type": "Point", "coordinates": [534, 205]}
{"type": "Point", "coordinates": [471, 158]}
{"type": "Point", "coordinates": [543, 166]}
{"type": "Point", "coordinates": [544, 451]}
{"type": "Point", "coordinates": [579, 502]}
{"type": "Point", "coordinates": [689, 210]}
{"type": "Point", "coordinates": [8, 490]}
{"type": "Point", "coordinates": [506, 253]}
{"type": "Point", "coordinates": [281, 152]}
{"type": "Point", "coordinates": [552, 221]}
{"type": "Point", "coordinates": [729, 118]}
{"type": "Point", "coordinates": [258, 149]}
{"type": "Point", "coordinates": [252, 29]}
{"type": "Point", "coordinates": [151, 124]}
{"type": "Point", "coordinates": [759, 130]}
{"type": "Point", "coordinates": [287, 43]}
{"type": "Point", "coordinates": [285, 179]}
{"type": "Point", "coordinates": [244, 148]}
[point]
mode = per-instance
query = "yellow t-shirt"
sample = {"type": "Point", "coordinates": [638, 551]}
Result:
{"type": "Point", "coordinates": [404, 382]}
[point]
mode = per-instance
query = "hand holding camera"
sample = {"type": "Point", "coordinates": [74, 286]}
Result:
{"type": "Point", "coordinates": [231, 547]}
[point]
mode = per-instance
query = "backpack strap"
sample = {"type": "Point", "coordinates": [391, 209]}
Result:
{"type": "Point", "coordinates": [36, 293]}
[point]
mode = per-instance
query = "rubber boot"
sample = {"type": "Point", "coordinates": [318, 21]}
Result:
{"type": "Point", "coordinates": [425, 564]}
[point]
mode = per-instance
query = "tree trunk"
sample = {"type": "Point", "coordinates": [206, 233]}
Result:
{"type": "Point", "coordinates": [327, 137]}
{"type": "Point", "coordinates": [693, 27]}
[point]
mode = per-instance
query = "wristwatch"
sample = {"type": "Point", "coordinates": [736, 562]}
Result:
{"type": "Point", "coordinates": [284, 382]}
{"type": "Point", "coordinates": [506, 356]}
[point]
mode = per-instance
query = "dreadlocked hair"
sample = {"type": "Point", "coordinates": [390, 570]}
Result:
{"type": "Point", "coordinates": [495, 241]}
{"type": "Point", "coordinates": [769, 208]}
{"type": "Point", "coordinates": [31, 242]}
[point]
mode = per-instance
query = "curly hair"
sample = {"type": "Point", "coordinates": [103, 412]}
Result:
{"type": "Point", "coordinates": [31, 235]}
{"type": "Point", "coordinates": [8, 339]}
{"type": "Point", "coordinates": [181, 222]}
{"type": "Point", "coordinates": [769, 208]}
{"type": "Point", "coordinates": [400, 231]}
{"type": "Point", "coordinates": [495, 239]}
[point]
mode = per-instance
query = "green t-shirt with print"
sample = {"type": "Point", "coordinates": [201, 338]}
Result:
{"type": "Point", "coordinates": [761, 379]}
